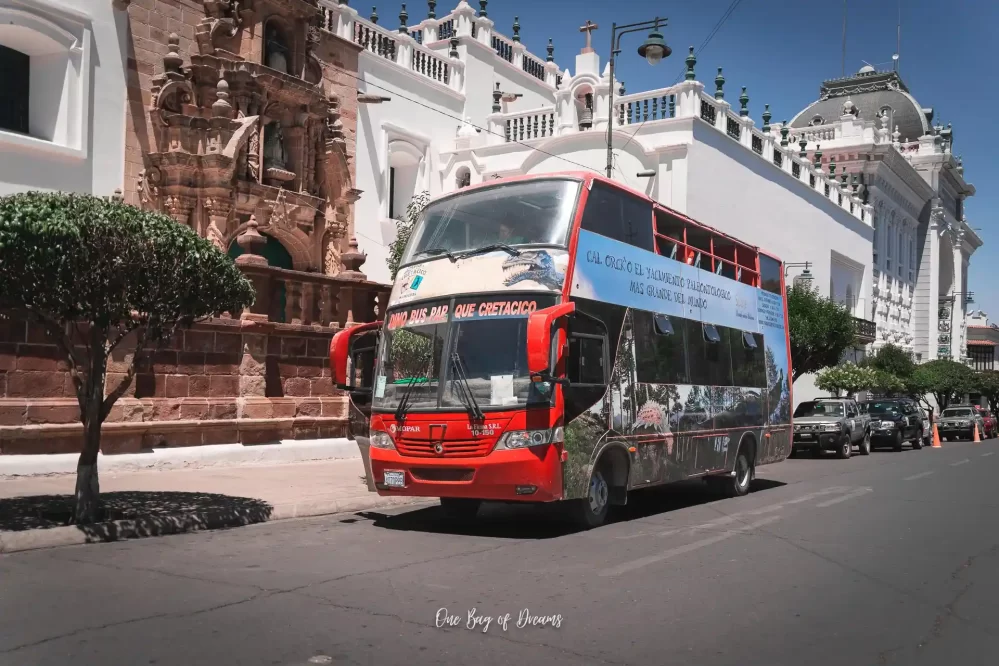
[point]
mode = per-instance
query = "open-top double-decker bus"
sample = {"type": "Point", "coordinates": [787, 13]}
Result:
{"type": "Point", "coordinates": [562, 337]}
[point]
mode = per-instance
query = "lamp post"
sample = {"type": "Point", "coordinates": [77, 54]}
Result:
{"type": "Point", "coordinates": [653, 49]}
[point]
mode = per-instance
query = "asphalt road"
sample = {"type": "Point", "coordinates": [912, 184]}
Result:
{"type": "Point", "coordinates": [888, 559]}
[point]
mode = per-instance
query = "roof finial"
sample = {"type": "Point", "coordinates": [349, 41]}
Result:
{"type": "Point", "coordinates": [482, 8]}
{"type": "Point", "coordinates": [766, 118]}
{"type": "Point", "coordinates": [803, 142]}
{"type": "Point", "coordinates": [744, 103]}
{"type": "Point", "coordinates": [403, 19]}
{"type": "Point", "coordinates": [784, 131]}
{"type": "Point", "coordinates": [516, 29]}
{"type": "Point", "coordinates": [719, 83]}
{"type": "Point", "coordinates": [432, 9]}
{"type": "Point", "coordinates": [551, 51]}
{"type": "Point", "coordinates": [691, 60]}
{"type": "Point", "coordinates": [374, 15]}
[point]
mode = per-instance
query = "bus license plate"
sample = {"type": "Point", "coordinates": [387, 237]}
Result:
{"type": "Point", "coordinates": [395, 479]}
{"type": "Point", "coordinates": [805, 435]}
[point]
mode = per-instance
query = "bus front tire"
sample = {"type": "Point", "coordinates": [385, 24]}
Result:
{"type": "Point", "coordinates": [460, 508]}
{"type": "Point", "coordinates": [591, 511]}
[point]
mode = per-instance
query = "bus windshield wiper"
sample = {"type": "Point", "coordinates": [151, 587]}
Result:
{"type": "Point", "coordinates": [513, 252]}
{"type": "Point", "coordinates": [437, 252]}
{"type": "Point", "coordinates": [400, 411]}
{"type": "Point", "coordinates": [464, 390]}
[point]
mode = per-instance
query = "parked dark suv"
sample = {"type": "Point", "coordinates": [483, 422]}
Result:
{"type": "Point", "coordinates": [895, 421]}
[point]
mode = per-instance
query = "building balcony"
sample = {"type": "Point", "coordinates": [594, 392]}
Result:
{"type": "Point", "coordinates": [867, 330]}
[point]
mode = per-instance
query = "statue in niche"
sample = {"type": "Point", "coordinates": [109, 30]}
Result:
{"type": "Point", "coordinates": [253, 157]}
{"type": "Point", "coordinates": [275, 155]}
{"type": "Point", "coordinates": [277, 51]}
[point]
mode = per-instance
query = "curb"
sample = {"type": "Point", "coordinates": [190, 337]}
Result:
{"type": "Point", "coordinates": [181, 523]}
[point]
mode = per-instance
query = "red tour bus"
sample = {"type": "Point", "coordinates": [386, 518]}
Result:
{"type": "Point", "coordinates": [564, 338]}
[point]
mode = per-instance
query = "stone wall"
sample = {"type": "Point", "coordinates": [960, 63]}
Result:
{"type": "Point", "coordinates": [222, 381]}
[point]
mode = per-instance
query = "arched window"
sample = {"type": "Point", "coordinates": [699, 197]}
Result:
{"type": "Point", "coordinates": [15, 78]}
{"type": "Point", "coordinates": [405, 176]}
{"type": "Point", "coordinates": [817, 120]}
{"type": "Point", "coordinates": [277, 48]}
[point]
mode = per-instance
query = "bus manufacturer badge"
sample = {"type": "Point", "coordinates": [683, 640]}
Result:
{"type": "Point", "coordinates": [439, 448]}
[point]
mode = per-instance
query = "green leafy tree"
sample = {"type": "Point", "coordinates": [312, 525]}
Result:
{"type": "Point", "coordinates": [893, 360]}
{"type": "Point", "coordinates": [886, 383]}
{"type": "Point", "coordinates": [845, 377]}
{"type": "Point", "coordinates": [404, 229]}
{"type": "Point", "coordinates": [987, 383]}
{"type": "Point", "coordinates": [95, 272]}
{"type": "Point", "coordinates": [821, 331]}
{"type": "Point", "coordinates": [945, 379]}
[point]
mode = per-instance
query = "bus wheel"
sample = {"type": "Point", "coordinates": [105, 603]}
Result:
{"type": "Point", "coordinates": [460, 508]}
{"type": "Point", "coordinates": [737, 484]}
{"type": "Point", "coordinates": [591, 511]}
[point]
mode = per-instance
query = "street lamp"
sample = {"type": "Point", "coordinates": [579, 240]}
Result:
{"type": "Point", "coordinates": [653, 49]}
{"type": "Point", "coordinates": [806, 276]}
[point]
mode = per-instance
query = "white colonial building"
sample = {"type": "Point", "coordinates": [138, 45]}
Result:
{"type": "Point", "coordinates": [62, 110]}
{"type": "Point", "coordinates": [859, 185]}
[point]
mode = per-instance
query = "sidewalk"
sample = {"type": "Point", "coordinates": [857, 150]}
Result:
{"type": "Point", "coordinates": [34, 510]}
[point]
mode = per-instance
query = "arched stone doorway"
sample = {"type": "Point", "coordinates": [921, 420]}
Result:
{"type": "Point", "coordinates": [278, 257]}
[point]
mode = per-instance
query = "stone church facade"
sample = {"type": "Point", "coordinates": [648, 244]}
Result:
{"type": "Point", "coordinates": [240, 122]}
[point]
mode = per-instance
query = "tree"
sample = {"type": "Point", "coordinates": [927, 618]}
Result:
{"type": "Point", "coordinates": [885, 382]}
{"type": "Point", "coordinates": [404, 229]}
{"type": "Point", "coordinates": [820, 331]}
{"type": "Point", "coordinates": [945, 379]}
{"type": "Point", "coordinates": [893, 360]}
{"type": "Point", "coordinates": [94, 272]}
{"type": "Point", "coordinates": [987, 383]}
{"type": "Point", "coordinates": [845, 377]}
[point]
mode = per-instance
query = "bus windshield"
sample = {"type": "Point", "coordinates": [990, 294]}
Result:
{"type": "Point", "coordinates": [481, 341]}
{"type": "Point", "coordinates": [535, 212]}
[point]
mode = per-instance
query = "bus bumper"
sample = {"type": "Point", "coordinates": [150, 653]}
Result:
{"type": "Point", "coordinates": [531, 474]}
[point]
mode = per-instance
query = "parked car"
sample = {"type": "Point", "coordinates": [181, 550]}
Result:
{"type": "Point", "coordinates": [989, 419]}
{"type": "Point", "coordinates": [959, 422]}
{"type": "Point", "coordinates": [830, 424]}
{"type": "Point", "coordinates": [895, 421]}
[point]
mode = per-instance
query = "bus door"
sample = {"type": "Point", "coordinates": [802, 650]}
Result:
{"type": "Point", "coordinates": [352, 362]}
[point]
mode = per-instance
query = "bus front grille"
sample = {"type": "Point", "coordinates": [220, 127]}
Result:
{"type": "Point", "coordinates": [469, 448]}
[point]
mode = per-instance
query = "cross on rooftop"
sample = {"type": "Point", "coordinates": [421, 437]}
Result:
{"type": "Point", "coordinates": [588, 29]}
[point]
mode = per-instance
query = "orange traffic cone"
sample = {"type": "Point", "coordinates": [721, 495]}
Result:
{"type": "Point", "coordinates": [936, 437]}
{"type": "Point", "coordinates": [977, 438]}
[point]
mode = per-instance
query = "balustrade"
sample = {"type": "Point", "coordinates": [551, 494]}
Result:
{"type": "Point", "coordinates": [426, 63]}
{"type": "Point", "coordinates": [656, 105]}
{"type": "Point", "coordinates": [446, 29]}
{"type": "Point", "coordinates": [295, 297]}
{"type": "Point", "coordinates": [417, 35]}
{"type": "Point", "coordinates": [503, 48]}
{"type": "Point", "coordinates": [377, 40]}
{"type": "Point", "coordinates": [534, 67]}
{"type": "Point", "coordinates": [527, 125]}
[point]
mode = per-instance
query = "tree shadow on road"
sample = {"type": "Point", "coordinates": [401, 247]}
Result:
{"type": "Point", "coordinates": [133, 514]}
{"type": "Point", "coordinates": [549, 521]}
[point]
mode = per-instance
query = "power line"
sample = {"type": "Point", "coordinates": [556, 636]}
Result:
{"type": "Point", "coordinates": [461, 120]}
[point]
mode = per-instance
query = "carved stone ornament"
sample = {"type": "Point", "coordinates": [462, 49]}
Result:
{"type": "Point", "coordinates": [148, 186]}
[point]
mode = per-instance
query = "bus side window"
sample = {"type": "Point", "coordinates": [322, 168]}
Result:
{"type": "Point", "coordinates": [709, 354]}
{"type": "Point", "coordinates": [616, 214]}
{"type": "Point", "coordinates": [749, 368]}
{"type": "Point", "coordinates": [659, 348]}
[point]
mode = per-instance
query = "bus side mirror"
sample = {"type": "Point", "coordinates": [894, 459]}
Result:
{"type": "Point", "coordinates": [341, 349]}
{"type": "Point", "coordinates": [541, 351]}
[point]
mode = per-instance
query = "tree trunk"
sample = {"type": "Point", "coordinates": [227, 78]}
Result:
{"type": "Point", "coordinates": [87, 485]}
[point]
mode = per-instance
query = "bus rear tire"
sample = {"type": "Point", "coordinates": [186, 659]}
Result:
{"type": "Point", "coordinates": [591, 511]}
{"type": "Point", "coordinates": [736, 485]}
{"type": "Point", "coordinates": [460, 508]}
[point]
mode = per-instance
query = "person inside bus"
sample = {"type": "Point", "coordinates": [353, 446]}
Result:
{"type": "Point", "coordinates": [507, 235]}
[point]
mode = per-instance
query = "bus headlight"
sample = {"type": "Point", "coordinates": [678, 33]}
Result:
{"type": "Point", "coordinates": [382, 440]}
{"type": "Point", "coordinates": [520, 439]}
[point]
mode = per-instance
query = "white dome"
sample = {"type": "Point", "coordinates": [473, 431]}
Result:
{"type": "Point", "coordinates": [866, 69]}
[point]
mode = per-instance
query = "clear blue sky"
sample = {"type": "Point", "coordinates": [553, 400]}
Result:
{"type": "Point", "coordinates": [783, 49]}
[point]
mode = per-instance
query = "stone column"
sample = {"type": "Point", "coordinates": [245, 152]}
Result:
{"type": "Point", "coordinates": [956, 333]}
